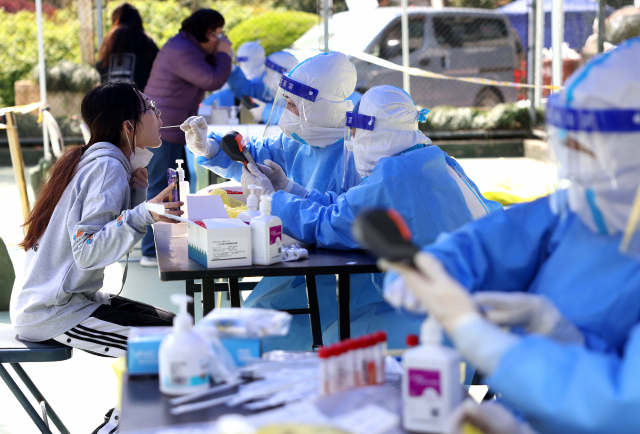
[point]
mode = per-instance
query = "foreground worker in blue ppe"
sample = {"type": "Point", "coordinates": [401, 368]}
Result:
{"type": "Point", "coordinates": [246, 76]}
{"type": "Point", "coordinates": [306, 142]}
{"type": "Point", "coordinates": [568, 265]}
{"type": "Point", "coordinates": [400, 169]}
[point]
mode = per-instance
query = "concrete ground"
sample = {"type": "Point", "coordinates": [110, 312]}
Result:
{"type": "Point", "coordinates": [82, 389]}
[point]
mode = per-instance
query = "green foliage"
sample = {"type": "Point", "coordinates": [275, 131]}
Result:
{"type": "Point", "coordinates": [19, 47]}
{"type": "Point", "coordinates": [161, 19]}
{"type": "Point", "coordinates": [275, 30]}
{"type": "Point", "coordinates": [508, 116]}
{"type": "Point", "coordinates": [69, 76]}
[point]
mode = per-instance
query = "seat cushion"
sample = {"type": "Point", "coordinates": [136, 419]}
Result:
{"type": "Point", "coordinates": [14, 350]}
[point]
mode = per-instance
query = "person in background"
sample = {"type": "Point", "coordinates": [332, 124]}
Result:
{"type": "Point", "coordinates": [91, 213]}
{"type": "Point", "coordinates": [127, 52]}
{"type": "Point", "coordinates": [195, 60]}
{"type": "Point", "coordinates": [262, 89]}
{"type": "Point", "coordinates": [567, 267]}
{"type": "Point", "coordinates": [400, 169]}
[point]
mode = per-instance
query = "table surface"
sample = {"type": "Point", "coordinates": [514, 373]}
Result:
{"type": "Point", "coordinates": [174, 262]}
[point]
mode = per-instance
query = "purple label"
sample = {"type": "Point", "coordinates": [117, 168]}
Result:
{"type": "Point", "coordinates": [275, 234]}
{"type": "Point", "coordinates": [420, 380]}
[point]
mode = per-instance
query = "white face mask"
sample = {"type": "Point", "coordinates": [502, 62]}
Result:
{"type": "Point", "coordinates": [138, 159]}
{"type": "Point", "coordinates": [290, 124]}
{"type": "Point", "coordinates": [321, 124]}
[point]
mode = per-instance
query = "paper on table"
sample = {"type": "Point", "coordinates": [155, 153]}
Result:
{"type": "Point", "coordinates": [371, 419]}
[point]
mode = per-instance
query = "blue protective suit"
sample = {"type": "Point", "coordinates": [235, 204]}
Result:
{"type": "Point", "coordinates": [433, 205]}
{"type": "Point", "coordinates": [530, 248]}
{"type": "Point", "coordinates": [571, 389]}
{"type": "Point", "coordinates": [238, 85]}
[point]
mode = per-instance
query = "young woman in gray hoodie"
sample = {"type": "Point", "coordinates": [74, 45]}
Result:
{"type": "Point", "coordinates": [90, 214]}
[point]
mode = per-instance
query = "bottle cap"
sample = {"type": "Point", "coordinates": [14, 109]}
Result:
{"type": "Point", "coordinates": [180, 170]}
{"type": "Point", "coordinates": [412, 341]}
{"type": "Point", "coordinates": [252, 199]}
{"type": "Point", "coordinates": [265, 205]}
{"type": "Point", "coordinates": [323, 353]}
{"type": "Point", "coordinates": [382, 336]}
{"type": "Point", "coordinates": [182, 321]}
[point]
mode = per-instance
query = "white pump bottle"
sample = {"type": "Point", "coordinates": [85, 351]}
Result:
{"type": "Point", "coordinates": [252, 204]}
{"type": "Point", "coordinates": [184, 188]}
{"type": "Point", "coordinates": [266, 235]}
{"type": "Point", "coordinates": [431, 387]}
{"type": "Point", "coordinates": [184, 355]}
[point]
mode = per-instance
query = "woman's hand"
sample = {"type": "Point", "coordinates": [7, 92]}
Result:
{"type": "Point", "coordinates": [140, 178]}
{"type": "Point", "coordinates": [167, 205]}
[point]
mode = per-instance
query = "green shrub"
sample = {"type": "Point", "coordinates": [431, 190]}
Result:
{"type": "Point", "coordinates": [19, 46]}
{"type": "Point", "coordinates": [275, 30]}
{"type": "Point", "coordinates": [509, 116]}
{"type": "Point", "coordinates": [69, 76]}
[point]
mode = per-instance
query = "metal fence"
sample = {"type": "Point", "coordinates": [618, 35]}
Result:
{"type": "Point", "coordinates": [454, 41]}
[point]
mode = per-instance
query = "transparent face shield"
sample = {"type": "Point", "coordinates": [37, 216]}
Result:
{"type": "Point", "coordinates": [290, 109]}
{"type": "Point", "coordinates": [597, 155]}
{"type": "Point", "coordinates": [272, 77]}
{"type": "Point", "coordinates": [353, 123]}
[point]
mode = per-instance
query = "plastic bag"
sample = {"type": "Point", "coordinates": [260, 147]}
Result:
{"type": "Point", "coordinates": [221, 365]}
{"type": "Point", "coordinates": [247, 322]}
{"type": "Point", "coordinates": [231, 205]}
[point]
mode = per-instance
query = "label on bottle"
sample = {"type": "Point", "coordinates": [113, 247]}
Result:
{"type": "Point", "coordinates": [420, 380]}
{"type": "Point", "coordinates": [275, 241]}
{"type": "Point", "coordinates": [184, 373]}
{"type": "Point", "coordinates": [262, 236]}
{"type": "Point", "coordinates": [229, 248]}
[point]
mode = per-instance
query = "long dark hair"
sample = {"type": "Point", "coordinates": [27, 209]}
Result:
{"type": "Point", "coordinates": [202, 20]}
{"type": "Point", "coordinates": [104, 109]}
{"type": "Point", "coordinates": [126, 34]}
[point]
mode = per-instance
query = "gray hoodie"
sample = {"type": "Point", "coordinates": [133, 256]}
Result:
{"type": "Point", "coordinates": [97, 221]}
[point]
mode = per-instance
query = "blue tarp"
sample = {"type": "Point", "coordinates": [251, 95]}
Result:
{"type": "Point", "coordinates": [578, 20]}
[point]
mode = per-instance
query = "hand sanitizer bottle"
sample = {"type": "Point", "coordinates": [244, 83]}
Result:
{"type": "Point", "coordinates": [431, 387]}
{"type": "Point", "coordinates": [266, 235]}
{"type": "Point", "coordinates": [252, 204]}
{"type": "Point", "coordinates": [184, 355]}
{"type": "Point", "coordinates": [183, 188]}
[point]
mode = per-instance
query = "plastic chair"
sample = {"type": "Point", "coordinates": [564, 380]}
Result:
{"type": "Point", "coordinates": [14, 351]}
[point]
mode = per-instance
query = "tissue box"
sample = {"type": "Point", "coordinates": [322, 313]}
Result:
{"type": "Point", "coordinates": [243, 350]}
{"type": "Point", "coordinates": [214, 239]}
{"type": "Point", "coordinates": [143, 346]}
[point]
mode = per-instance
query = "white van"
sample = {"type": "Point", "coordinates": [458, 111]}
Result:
{"type": "Point", "coordinates": [451, 41]}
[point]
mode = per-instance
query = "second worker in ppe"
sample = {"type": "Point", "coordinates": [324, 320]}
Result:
{"type": "Point", "coordinates": [579, 248]}
{"type": "Point", "coordinates": [400, 169]}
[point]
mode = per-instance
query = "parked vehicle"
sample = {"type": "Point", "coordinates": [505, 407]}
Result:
{"type": "Point", "coordinates": [456, 42]}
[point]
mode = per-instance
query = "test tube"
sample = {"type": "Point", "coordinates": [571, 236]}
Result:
{"type": "Point", "coordinates": [349, 361]}
{"type": "Point", "coordinates": [359, 369]}
{"type": "Point", "coordinates": [334, 379]}
{"type": "Point", "coordinates": [380, 352]}
{"type": "Point", "coordinates": [323, 363]}
{"type": "Point", "coordinates": [370, 356]}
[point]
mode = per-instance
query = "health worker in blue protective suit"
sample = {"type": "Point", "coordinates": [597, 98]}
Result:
{"type": "Point", "coordinates": [247, 76]}
{"type": "Point", "coordinates": [568, 267]}
{"type": "Point", "coordinates": [400, 169]}
{"type": "Point", "coordinates": [261, 89]}
{"type": "Point", "coordinates": [307, 142]}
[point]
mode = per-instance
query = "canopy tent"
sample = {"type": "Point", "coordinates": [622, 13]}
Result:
{"type": "Point", "coordinates": [578, 20]}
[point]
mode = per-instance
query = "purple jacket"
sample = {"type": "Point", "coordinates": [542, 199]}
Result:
{"type": "Point", "coordinates": [181, 73]}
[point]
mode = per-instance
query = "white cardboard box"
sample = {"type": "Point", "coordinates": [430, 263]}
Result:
{"type": "Point", "coordinates": [215, 240]}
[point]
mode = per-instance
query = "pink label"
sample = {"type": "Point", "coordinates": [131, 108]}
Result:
{"type": "Point", "coordinates": [420, 380]}
{"type": "Point", "coordinates": [275, 234]}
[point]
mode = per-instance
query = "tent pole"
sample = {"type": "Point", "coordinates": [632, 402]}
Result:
{"type": "Point", "coordinates": [406, 79]}
{"type": "Point", "coordinates": [531, 32]}
{"type": "Point", "coordinates": [42, 78]}
{"type": "Point", "coordinates": [557, 38]}
{"type": "Point", "coordinates": [601, 13]}
{"type": "Point", "coordinates": [539, 47]}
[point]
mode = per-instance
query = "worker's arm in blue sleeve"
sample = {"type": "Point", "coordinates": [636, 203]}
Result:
{"type": "Point", "coordinates": [326, 199]}
{"type": "Point", "coordinates": [502, 251]}
{"type": "Point", "coordinates": [327, 226]}
{"type": "Point", "coordinates": [572, 389]}
{"type": "Point", "coordinates": [261, 148]}
{"type": "Point", "coordinates": [240, 85]}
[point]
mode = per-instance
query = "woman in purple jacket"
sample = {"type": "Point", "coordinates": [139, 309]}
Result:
{"type": "Point", "coordinates": [194, 61]}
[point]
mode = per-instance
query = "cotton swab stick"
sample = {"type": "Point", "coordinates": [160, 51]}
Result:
{"type": "Point", "coordinates": [172, 126]}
